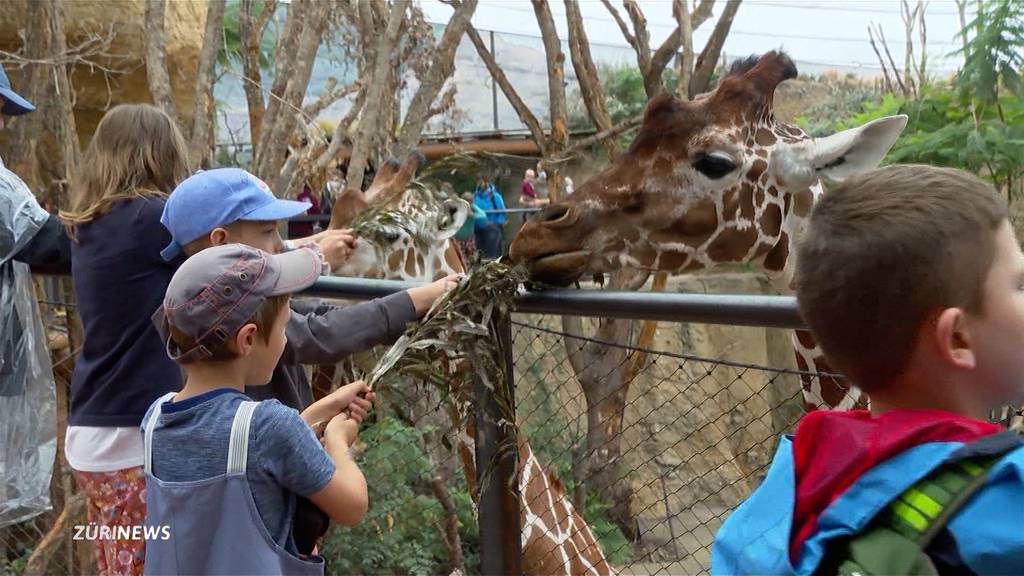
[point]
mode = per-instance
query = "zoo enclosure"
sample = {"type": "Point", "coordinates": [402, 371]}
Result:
{"type": "Point", "coordinates": [723, 414]}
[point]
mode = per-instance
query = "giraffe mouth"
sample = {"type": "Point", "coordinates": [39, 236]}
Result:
{"type": "Point", "coordinates": [560, 269]}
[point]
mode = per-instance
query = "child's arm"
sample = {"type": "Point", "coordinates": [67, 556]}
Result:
{"type": "Point", "coordinates": [319, 333]}
{"type": "Point", "coordinates": [345, 497]}
{"type": "Point", "coordinates": [356, 397]}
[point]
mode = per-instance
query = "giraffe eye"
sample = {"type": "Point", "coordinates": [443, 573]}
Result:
{"type": "Point", "coordinates": [714, 165]}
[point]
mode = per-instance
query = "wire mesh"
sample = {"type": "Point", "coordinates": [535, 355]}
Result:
{"type": "Point", "coordinates": [695, 436]}
{"type": "Point", "coordinates": [700, 417]}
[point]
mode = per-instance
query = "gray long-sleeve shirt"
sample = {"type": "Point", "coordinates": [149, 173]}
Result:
{"type": "Point", "coordinates": [322, 333]}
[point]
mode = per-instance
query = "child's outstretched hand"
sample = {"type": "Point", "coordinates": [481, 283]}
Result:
{"type": "Point", "coordinates": [342, 430]}
{"type": "Point", "coordinates": [423, 297]}
{"type": "Point", "coordinates": [355, 398]}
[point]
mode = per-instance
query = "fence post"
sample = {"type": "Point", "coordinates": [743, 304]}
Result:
{"type": "Point", "coordinates": [496, 471]}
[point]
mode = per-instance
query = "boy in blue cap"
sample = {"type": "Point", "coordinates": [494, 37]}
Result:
{"type": "Point", "coordinates": [223, 472]}
{"type": "Point", "coordinates": [230, 205]}
{"type": "Point", "coordinates": [912, 280]}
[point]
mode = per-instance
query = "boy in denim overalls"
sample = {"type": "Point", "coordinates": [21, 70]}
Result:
{"type": "Point", "coordinates": [222, 471]}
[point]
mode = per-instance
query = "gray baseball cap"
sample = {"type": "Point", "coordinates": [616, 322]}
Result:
{"type": "Point", "coordinates": [216, 291]}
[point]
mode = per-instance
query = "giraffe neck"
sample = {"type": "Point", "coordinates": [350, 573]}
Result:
{"type": "Point", "coordinates": [555, 538]}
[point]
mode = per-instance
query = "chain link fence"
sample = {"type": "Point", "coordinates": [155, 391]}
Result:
{"type": "Point", "coordinates": [704, 407]}
{"type": "Point", "coordinates": [695, 438]}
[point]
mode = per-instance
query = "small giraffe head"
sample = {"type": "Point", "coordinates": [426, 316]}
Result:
{"type": "Point", "coordinates": [404, 231]}
{"type": "Point", "coordinates": [708, 181]}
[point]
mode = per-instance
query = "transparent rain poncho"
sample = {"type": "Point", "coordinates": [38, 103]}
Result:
{"type": "Point", "coordinates": [28, 435]}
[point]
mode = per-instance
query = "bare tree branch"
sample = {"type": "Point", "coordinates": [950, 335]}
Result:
{"type": "Point", "coordinates": [441, 69]}
{"type": "Point", "coordinates": [589, 141]}
{"type": "Point", "coordinates": [643, 37]}
{"type": "Point", "coordinates": [892, 63]}
{"type": "Point", "coordinates": [909, 20]}
{"type": "Point", "coordinates": [156, 58]}
{"type": "Point", "coordinates": [372, 110]}
{"type": "Point", "coordinates": [312, 17]}
{"type": "Point", "coordinates": [881, 61]}
{"type": "Point", "coordinates": [681, 8]}
{"type": "Point", "coordinates": [622, 23]}
{"type": "Point", "coordinates": [922, 70]}
{"type": "Point", "coordinates": [329, 95]}
{"type": "Point", "coordinates": [287, 45]}
{"type": "Point", "coordinates": [525, 115]}
{"type": "Point", "coordinates": [202, 114]}
{"type": "Point", "coordinates": [708, 59]}
{"type": "Point", "coordinates": [251, 36]}
{"type": "Point", "coordinates": [586, 73]}
{"type": "Point", "coordinates": [559, 137]}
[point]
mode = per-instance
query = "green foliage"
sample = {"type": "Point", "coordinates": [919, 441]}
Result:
{"type": "Point", "coordinates": [232, 42]}
{"type": "Point", "coordinates": [400, 534]}
{"type": "Point", "coordinates": [994, 56]}
{"type": "Point", "coordinates": [14, 566]}
{"type": "Point", "coordinates": [975, 124]}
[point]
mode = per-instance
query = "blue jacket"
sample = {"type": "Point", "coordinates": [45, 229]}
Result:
{"type": "Point", "coordinates": [756, 537]}
{"type": "Point", "coordinates": [490, 199]}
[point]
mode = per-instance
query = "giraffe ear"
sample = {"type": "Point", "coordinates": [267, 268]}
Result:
{"type": "Point", "coordinates": [838, 156]}
{"type": "Point", "coordinates": [346, 208]}
{"type": "Point", "coordinates": [453, 215]}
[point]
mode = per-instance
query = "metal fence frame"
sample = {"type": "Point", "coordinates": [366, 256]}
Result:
{"type": "Point", "coordinates": [498, 505]}
{"type": "Point", "coordinates": [499, 522]}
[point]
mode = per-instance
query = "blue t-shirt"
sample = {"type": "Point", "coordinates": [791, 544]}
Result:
{"type": "Point", "coordinates": [285, 458]}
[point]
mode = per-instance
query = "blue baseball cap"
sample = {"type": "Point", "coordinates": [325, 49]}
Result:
{"type": "Point", "coordinates": [14, 105]}
{"type": "Point", "coordinates": [218, 197]}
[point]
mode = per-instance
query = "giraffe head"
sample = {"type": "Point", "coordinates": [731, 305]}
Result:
{"type": "Point", "coordinates": [708, 181]}
{"type": "Point", "coordinates": [404, 229]}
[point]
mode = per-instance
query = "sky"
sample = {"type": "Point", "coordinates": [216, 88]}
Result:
{"type": "Point", "coordinates": [818, 34]}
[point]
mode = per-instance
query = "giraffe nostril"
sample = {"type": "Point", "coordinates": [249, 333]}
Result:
{"type": "Point", "coordinates": [553, 213]}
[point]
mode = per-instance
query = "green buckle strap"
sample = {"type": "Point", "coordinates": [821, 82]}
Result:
{"type": "Point", "coordinates": [894, 543]}
{"type": "Point", "coordinates": [924, 508]}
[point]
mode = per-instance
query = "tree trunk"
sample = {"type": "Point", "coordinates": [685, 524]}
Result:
{"type": "Point", "coordinates": [251, 36]}
{"type": "Point", "coordinates": [586, 73]}
{"type": "Point", "coordinates": [23, 158]}
{"type": "Point", "coordinates": [202, 114]}
{"type": "Point", "coordinates": [708, 59]}
{"type": "Point", "coordinates": [276, 132]}
{"type": "Point", "coordinates": [605, 374]}
{"type": "Point", "coordinates": [287, 46]}
{"type": "Point", "coordinates": [375, 99]}
{"type": "Point", "coordinates": [156, 58]}
{"type": "Point", "coordinates": [682, 12]}
{"type": "Point", "coordinates": [559, 137]}
{"type": "Point", "coordinates": [498, 75]}
{"type": "Point", "coordinates": [441, 69]}
{"type": "Point", "coordinates": [63, 113]}
{"type": "Point", "coordinates": [922, 71]}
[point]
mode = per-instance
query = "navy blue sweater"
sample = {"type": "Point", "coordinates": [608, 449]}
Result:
{"type": "Point", "coordinates": [120, 280]}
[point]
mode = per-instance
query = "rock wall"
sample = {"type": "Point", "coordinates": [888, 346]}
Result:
{"type": "Point", "coordinates": [184, 23]}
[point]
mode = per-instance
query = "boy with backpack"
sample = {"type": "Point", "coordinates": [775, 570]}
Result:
{"type": "Point", "coordinates": [912, 281]}
{"type": "Point", "coordinates": [222, 471]}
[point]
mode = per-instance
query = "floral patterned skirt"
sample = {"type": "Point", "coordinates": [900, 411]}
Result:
{"type": "Point", "coordinates": [116, 498]}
